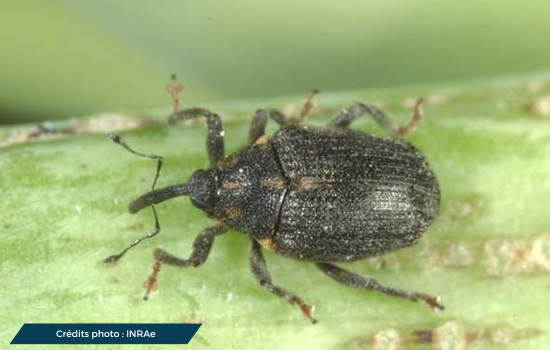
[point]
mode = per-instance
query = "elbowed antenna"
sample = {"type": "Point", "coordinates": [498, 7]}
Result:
{"type": "Point", "coordinates": [157, 196]}
{"type": "Point", "coordinates": [153, 196]}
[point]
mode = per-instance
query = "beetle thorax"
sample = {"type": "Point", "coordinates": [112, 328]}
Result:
{"type": "Point", "coordinates": [250, 192]}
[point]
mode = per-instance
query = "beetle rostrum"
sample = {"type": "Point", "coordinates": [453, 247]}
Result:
{"type": "Point", "coordinates": [319, 194]}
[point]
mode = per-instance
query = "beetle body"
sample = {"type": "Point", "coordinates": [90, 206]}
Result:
{"type": "Point", "coordinates": [322, 194]}
{"type": "Point", "coordinates": [317, 194]}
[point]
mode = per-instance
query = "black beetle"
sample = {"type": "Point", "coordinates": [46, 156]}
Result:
{"type": "Point", "coordinates": [317, 194]}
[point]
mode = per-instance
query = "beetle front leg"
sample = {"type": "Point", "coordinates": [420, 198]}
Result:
{"type": "Point", "coordinates": [214, 139]}
{"type": "Point", "coordinates": [201, 249]}
{"type": "Point", "coordinates": [259, 122]}
{"type": "Point", "coordinates": [364, 282]}
{"type": "Point", "coordinates": [260, 272]}
{"type": "Point", "coordinates": [349, 114]}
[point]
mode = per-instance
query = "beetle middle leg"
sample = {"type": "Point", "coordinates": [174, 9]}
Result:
{"type": "Point", "coordinates": [201, 249]}
{"type": "Point", "coordinates": [260, 272]}
{"type": "Point", "coordinates": [364, 282]}
{"type": "Point", "coordinates": [349, 114]}
{"type": "Point", "coordinates": [259, 122]}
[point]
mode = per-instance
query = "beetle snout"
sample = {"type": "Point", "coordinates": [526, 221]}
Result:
{"type": "Point", "coordinates": [157, 196]}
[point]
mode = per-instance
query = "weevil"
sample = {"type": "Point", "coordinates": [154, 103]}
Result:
{"type": "Point", "coordinates": [319, 194]}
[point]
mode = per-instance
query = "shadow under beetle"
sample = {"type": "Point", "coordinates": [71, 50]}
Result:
{"type": "Point", "coordinates": [319, 194]}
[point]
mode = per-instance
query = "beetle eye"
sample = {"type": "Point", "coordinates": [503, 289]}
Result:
{"type": "Point", "coordinates": [198, 203]}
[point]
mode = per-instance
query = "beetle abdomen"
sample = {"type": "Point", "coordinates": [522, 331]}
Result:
{"type": "Point", "coordinates": [350, 195]}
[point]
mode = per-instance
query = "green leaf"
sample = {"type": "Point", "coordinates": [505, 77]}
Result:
{"type": "Point", "coordinates": [63, 210]}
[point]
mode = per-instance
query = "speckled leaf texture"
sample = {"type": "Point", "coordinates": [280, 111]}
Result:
{"type": "Point", "coordinates": [63, 209]}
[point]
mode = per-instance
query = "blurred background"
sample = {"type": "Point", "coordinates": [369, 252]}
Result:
{"type": "Point", "coordinates": [65, 58]}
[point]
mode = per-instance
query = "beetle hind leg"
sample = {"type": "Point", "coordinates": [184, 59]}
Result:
{"type": "Point", "coordinates": [348, 115]}
{"type": "Point", "coordinates": [351, 279]}
{"type": "Point", "coordinates": [260, 272]}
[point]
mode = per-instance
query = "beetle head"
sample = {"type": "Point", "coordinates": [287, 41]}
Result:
{"type": "Point", "coordinates": [201, 188]}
